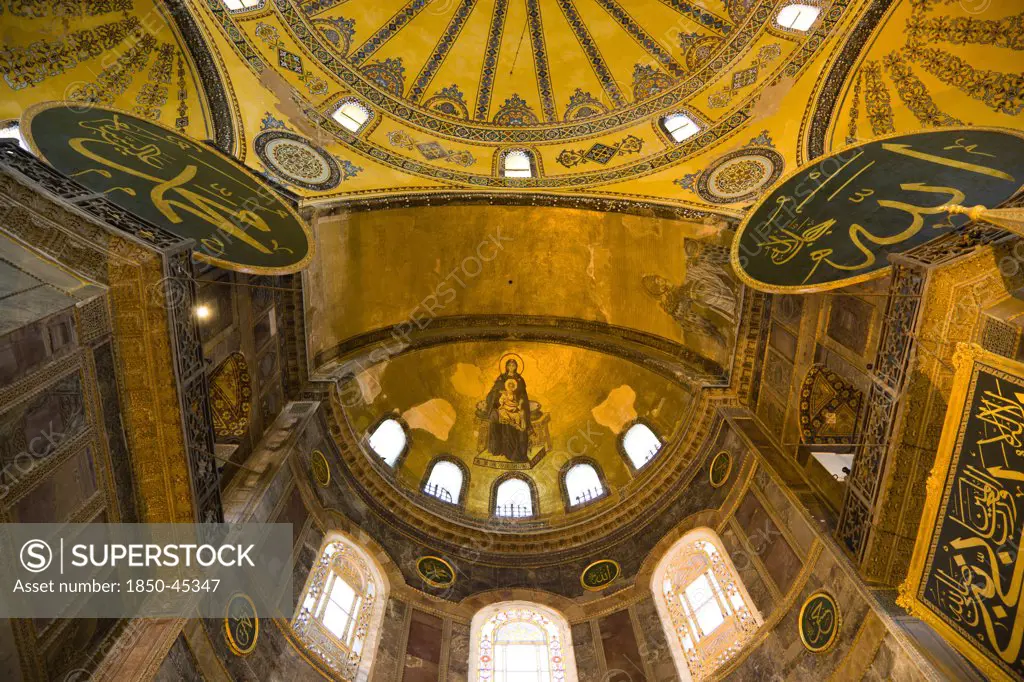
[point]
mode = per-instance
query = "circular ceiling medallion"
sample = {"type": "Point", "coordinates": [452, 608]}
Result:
{"type": "Point", "coordinates": [435, 571]}
{"type": "Point", "coordinates": [819, 622]}
{"type": "Point", "coordinates": [297, 160]}
{"type": "Point", "coordinates": [241, 626]}
{"type": "Point", "coordinates": [740, 175]}
{"type": "Point", "coordinates": [721, 467]}
{"type": "Point", "coordinates": [600, 575]}
{"type": "Point", "coordinates": [320, 468]}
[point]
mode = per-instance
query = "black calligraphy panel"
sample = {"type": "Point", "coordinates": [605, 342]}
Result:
{"type": "Point", "coordinates": [175, 183]}
{"type": "Point", "coordinates": [836, 220]}
{"type": "Point", "coordinates": [974, 570]}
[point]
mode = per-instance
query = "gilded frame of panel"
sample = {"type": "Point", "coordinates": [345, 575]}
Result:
{"type": "Point", "coordinates": [964, 360]}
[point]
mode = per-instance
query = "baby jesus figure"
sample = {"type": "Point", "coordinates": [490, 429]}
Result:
{"type": "Point", "coordinates": [510, 408]}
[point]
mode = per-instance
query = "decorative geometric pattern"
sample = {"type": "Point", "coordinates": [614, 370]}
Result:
{"type": "Point", "coordinates": [738, 176]}
{"type": "Point", "coordinates": [644, 39]}
{"type": "Point", "coordinates": [231, 397]}
{"type": "Point", "coordinates": [487, 71]}
{"type": "Point", "coordinates": [583, 105]}
{"type": "Point", "coordinates": [298, 161]}
{"type": "Point", "coordinates": [604, 74]}
{"type": "Point", "coordinates": [388, 31]}
{"type": "Point", "coordinates": [600, 153]}
{"type": "Point", "coordinates": [744, 78]}
{"type": "Point", "coordinates": [700, 15]}
{"type": "Point", "coordinates": [338, 31]}
{"type": "Point", "coordinates": [388, 74]}
{"type": "Point", "coordinates": [431, 150]}
{"type": "Point", "coordinates": [648, 81]}
{"type": "Point", "coordinates": [829, 407]}
{"type": "Point", "coordinates": [444, 45]}
{"type": "Point", "coordinates": [540, 60]}
{"type": "Point", "coordinates": [289, 60]}
{"type": "Point", "coordinates": [515, 112]}
{"type": "Point", "coordinates": [449, 101]}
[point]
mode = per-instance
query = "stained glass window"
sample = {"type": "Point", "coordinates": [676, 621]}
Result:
{"type": "Point", "coordinates": [339, 618]}
{"type": "Point", "coordinates": [522, 642]}
{"type": "Point", "coordinates": [703, 603]}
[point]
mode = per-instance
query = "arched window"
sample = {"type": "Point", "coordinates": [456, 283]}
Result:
{"type": "Point", "coordinates": [11, 130]}
{"type": "Point", "coordinates": [339, 621]}
{"type": "Point", "coordinates": [513, 499]}
{"type": "Point", "coordinates": [705, 609]}
{"type": "Point", "coordinates": [517, 163]}
{"type": "Point", "coordinates": [680, 126]}
{"type": "Point", "coordinates": [582, 484]}
{"type": "Point", "coordinates": [521, 642]}
{"type": "Point", "coordinates": [352, 115]}
{"type": "Point", "coordinates": [797, 17]}
{"type": "Point", "coordinates": [243, 5]}
{"type": "Point", "coordinates": [640, 444]}
{"type": "Point", "coordinates": [389, 441]}
{"type": "Point", "coordinates": [445, 482]}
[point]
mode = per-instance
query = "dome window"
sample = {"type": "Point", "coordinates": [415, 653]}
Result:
{"type": "Point", "coordinates": [12, 131]}
{"type": "Point", "coordinates": [388, 441]}
{"type": "Point", "coordinates": [797, 17]}
{"type": "Point", "coordinates": [352, 115]}
{"type": "Point", "coordinates": [582, 485]}
{"type": "Point", "coordinates": [517, 163]}
{"type": "Point", "coordinates": [445, 482]}
{"type": "Point", "coordinates": [243, 5]}
{"type": "Point", "coordinates": [513, 499]}
{"type": "Point", "coordinates": [680, 127]}
{"type": "Point", "coordinates": [640, 444]}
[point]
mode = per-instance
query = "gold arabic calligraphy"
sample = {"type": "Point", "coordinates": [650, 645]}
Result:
{"type": "Point", "coordinates": [800, 234]}
{"type": "Point", "coordinates": [176, 196]}
{"type": "Point", "coordinates": [980, 585]}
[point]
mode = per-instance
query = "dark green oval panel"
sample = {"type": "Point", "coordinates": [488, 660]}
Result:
{"type": "Point", "coordinates": [835, 221]}
{"type": "Point", "coordinates": [178, 184]}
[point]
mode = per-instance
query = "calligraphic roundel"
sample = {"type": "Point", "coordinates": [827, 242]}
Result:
{"type": "Point", "coordinates": [836, 220]}
{"type": "Point", "coordinates": [182, 186]}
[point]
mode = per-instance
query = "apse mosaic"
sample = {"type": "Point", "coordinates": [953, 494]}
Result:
{"type": "Point", "coordinates": [523, 409]}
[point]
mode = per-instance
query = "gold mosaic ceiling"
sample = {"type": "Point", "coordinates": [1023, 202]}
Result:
{"type": "Point", "coordinates": [581, 82]}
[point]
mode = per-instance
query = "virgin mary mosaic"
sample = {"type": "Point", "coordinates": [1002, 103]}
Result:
{"type": "Point", "coordinates": [513, 433]}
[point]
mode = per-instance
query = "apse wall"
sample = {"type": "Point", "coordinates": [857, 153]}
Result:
{"type": "Point", "coordinates": [780, 551]}
{"type": "Point", "coordinates": [469, 261]}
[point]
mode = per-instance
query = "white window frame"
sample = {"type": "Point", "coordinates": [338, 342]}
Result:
{"type": "Point", "coordinates": [687, 126]}
{"type": "Point", "coordinates": [341, 116]}
{"type": "Point", "coordinates": [800, 17]}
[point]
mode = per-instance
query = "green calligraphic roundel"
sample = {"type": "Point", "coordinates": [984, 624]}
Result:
{"type": "Point", "coordinates": [182, 186]}
{"type": "Point", "coordinates": [320, 468]}
{"type": "Point", "coordinates": [819, 622]}
{"type": "Point", "coordinates": [241, 626]}
{"type": "Point", "coordinates": [836, 220]}
{"type": "Point", "coordinates": [600, 574]}
{"type": "Point", "coordinates": [435, 571]}
{"type": "Point", "coordinates": [721, 467]}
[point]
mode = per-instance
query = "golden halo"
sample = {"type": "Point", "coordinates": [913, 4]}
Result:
{"type": "Point", "coordinates": [511, 356]}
